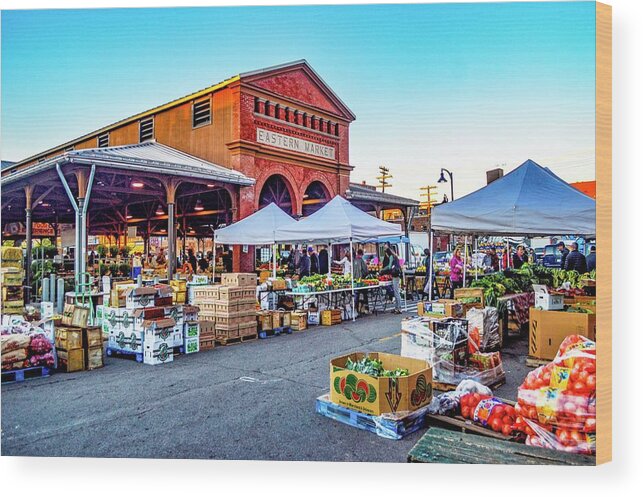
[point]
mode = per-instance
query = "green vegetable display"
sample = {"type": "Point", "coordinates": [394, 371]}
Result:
{"type": "Point", "coordinates": [373, 367]}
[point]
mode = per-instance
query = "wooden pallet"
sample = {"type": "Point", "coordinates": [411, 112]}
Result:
{"type": "Point", "coordinates": [275, 332]}
{"type": "Point", "coordinates": [463, 425]}
{"type": "Point", "coordinates": [448, 387]}
{"type": "Point", "coordinates": [442, 446]}
{"type": "Point", "coordinates": [223, 340]}
{"type": "Point", "coordinates": [18, 375]}
{"type": "Point", "coordinates": [122, 353]}
{"type": "Point", "coordinates": [534, 362]}
{"type": "Point", "coordinates": [391, 426]}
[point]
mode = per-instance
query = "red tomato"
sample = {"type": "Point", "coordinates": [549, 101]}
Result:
{"type": "Point", "coordinates": [582, 376]}
{"type": "Point", "coordinates": [575, 437]}
{"type": "Point", "coordinates": [563, 437]}
{"type": "Point", "coordinates": [591, 382]}
{"type": "Point", "coordinates": [476, 396]}
{"type": "Point", "coordinates": [569, 406]}
{"type": "Point", "coordinates": [466, 412]}
{"type": "Point", "coordinates": [511, 411]}
{"type": "Point", "coordinates": [533, 413]}
{"type": "Point", "coordinates": [590, 425]}
{"type": "Point", "coordinates": [498, 411]}
{"type": "Point", "coordinates": [546, 378]}
{"type": "Point", "coordinates": [496, 424]}
{"type": "Point", "coordinates": [507, 420]}
{"type": "Point", "coordinates": [506, 430]}
{"type": "Point", "coordinates": [579, 387]}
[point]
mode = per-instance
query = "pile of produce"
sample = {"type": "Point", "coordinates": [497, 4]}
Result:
{"type": "Point", "coordinates": [489, 411]}
{"type": "Point", "coordinates": [362, 282]}
{"type": "Point", "coordinates": [22, 350]}
{"type": "Point", "coordinates": [384, 277]}
{"type": "Point", "coordinates": [373, 367]}
{"type": "Point", "coordinates": [557, 402]}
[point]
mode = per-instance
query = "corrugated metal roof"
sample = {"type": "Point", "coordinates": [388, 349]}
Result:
{"type": "Point", "coordinates": [364, 193]}
{"type": "Point", "coordinates": [148, 157]}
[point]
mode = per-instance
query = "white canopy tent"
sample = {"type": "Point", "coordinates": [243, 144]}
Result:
{"type": "Point", "coordinates": [530, 201]}
{"type": "Point", "coordinates": [338, 221]}
{"type": "Point", "coordinates": [257, 229]}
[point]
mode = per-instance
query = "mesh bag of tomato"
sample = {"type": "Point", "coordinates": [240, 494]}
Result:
{"type": "Point", "coordinates": [490, 412]}
{"type": "Point", "coordinates": [556, 405]}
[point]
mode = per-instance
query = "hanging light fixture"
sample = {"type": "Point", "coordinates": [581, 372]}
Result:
{"type": "Point", "coordinates": [199, 205]}
{"type": "Point", "coordinates": [210, 185]}
{"type": "Point", "coordinates": [137, 183]}
{"type": "Point", "coordinates": [129, 216]}
{"type": "Point", "coordinates": [159, 210]}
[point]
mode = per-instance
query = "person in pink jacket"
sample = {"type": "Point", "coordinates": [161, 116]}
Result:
{"type": "Point", "coordinates": [457, 265]}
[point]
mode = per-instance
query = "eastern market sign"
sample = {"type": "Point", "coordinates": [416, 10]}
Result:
{"type": "Point", "coordinates": [295, 144]}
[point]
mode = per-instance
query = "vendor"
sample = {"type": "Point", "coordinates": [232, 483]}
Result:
{"type": "Point", "coordinates": [520, 257]}
{"type": "Point", "coordinates": [160, 258]}
{"type": "Point", "coordinates": [346, 263]}
{"type": "Point", "coordinates": [304, 264]}
{"type": "Point", "coordinates": [314, 261]}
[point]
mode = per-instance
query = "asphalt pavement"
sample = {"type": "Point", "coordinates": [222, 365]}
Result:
{"type": "Point", "coordinates": [254, 400]}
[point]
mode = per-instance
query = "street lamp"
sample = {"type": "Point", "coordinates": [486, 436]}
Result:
{"type": "Point", "coordinates": [444, 180]}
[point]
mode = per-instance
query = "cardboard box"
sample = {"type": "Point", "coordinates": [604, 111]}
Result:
{"type": "Point", "coordinates": [442, 307]}
{"type": "Point", "coordinates": [376, 396]}
{"type": "Point", "coordinates": [191, 329]}
{"type": "Point", "coordinates": [207, 329]}
{"type": "Point", "coordinates": [313, 316]}
{"type": "Point", "coordinates": [68, 338]}
{"type": "Point", "coordinates": [548, 329]}
{"type": "Point", "coordinates": [178, 298]}
{"type": "Point", "coordinates": [231, 293]}
{"type": "Point", "coordinates": [246, 329]}
{"type": "Point", "coordinates": [164, 301]}
{"type": "Point", "coordinates": [158, 352]}
{"type": "Point", "coordinates": [264, 319]}
{"type": "Point", "coordinates": [205, 292]}
{"type": "Point", "coordinates": [285, 318]}
{"type": "Point", "coordinates": [190, 345]}
{"type": "Point", "coordinates": [92, 337]}
{"type": "Point", "coordinates": [474, 298]}
{"type": "Point", "coordinates": [160, 330]}
{"type": "Point", "coordinates": [276, 319]}
{"type": "Point", "coordinates": [126, 342]}
{"type": "Point", "coordinates": [71, 360]}
{"type": "Point", "coordinates": [94, 358]}
{"type": "Point", "coordinates": [118, 292]}
{"type": "Point", "coordinates": [178, 285]}
{"type": "Point", "coordinates": [136, 298]}
{"type": "Point", "coordinates": [299, 320]}
{"type": "Point", "coordinates": [330, 317]}
{"type": "Point", "coordinates": [117, 319]}
{"type": "Point", "coordinates": [547, 301]}
{"type": "Point", "coordinates": [239, 279]}
{"type": "Point", "coordinates": [175, 312]}
{"type": "Point", "coordinates": [190, 313]}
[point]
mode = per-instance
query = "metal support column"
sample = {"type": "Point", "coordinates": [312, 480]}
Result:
{"type": "Point", "coordinates": [29, 233]}
{"type": "Point", "coordinates": [171, 241]}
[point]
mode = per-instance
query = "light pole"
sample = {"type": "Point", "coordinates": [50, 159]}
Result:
{"type": "Point", "coordinates": [444, 180]}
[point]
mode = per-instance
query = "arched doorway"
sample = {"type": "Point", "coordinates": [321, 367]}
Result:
{"type": "Point", "coordinates": [276, 190]}
{"type": "Point", "coordinates": [315, 197]}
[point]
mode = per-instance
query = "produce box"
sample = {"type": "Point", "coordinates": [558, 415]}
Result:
{"type": "Point", "coordinates": [239, 279]}
{"type": "Point", "coordinates": [547, 301]}
{"type": "Point", "coordinates": [264, 319]}
{"type": "Point", "coordinates": [179, 298]}
{"type": "Point", "coordinates": [12, 264]}
{"type": "Point", "coordinates": [94, 358]}
{"type": "Point", "coordinates": [177, 336]}
{"type": "Point", "coordinates": [179, 285]}
{"type": "Point", "coordinates": [330, 317]}
{"type": "Point", "coordinates": [207, 329]}
{"type": "Point", "coordinates": [92, 337]}
{"type": "Point", "coordinates": [441, 307]}
{"type": "Point", "coordinates": [161, 330]}
{"type": "Point", "coordinates": [126, 342]}
{"type": "Point", "coordinates": [246, 307]}
{"type": "Point", "coordinates": [140, 297]}
{"type": "Point", "coordinates": [248, 319]}
{"type": "Point", "coordinates": [246, 329]}
{"type": "Point", "coordinates": [230, 293]}
{"type": "Point", "coordinates": [13, 307]}
{"type": "Point", "coordinates": [190, 313]}
{"type": "Point", "coordinates": [285, 318]}
{"type": "Point", "coordinates": [191, 329]}
{"type": "Point", "coordinates": [469, 297]}
{"type": "Point", "coordinates": [68, 314]}
{"type": "Point", "coordinates": [548, 329]}
{"type": "Point", "coordinates": [227, 331]}
{"type": "Point", "coordinates": [207, 316]}
{"type": "Point", "coordinates": [100, 314]}
{"type": "Point", "coordinates": [80, 317]}
{"type": "Point", "coordinates": [190, 345]}
{"type": "Point", "coordinates": [228, 320]}
{"type": "Point", "coordinates": [313, 316]}
{"type": "Point", "coordinates": [206, 344]}
{"type": "Point", "coordinates": [249, 295]}
{"type": "Point", "coordinates": [225, 307]}
{"type": "Point", "coordinates": [165, 301]}
{"type": "Point", "coordinates": [205, 292]}
{"type": "Point", "coordinates": [157, 352]}
{"type": "Point", "coordinates": [277, 321]}
{"type": "Point", "coordinates": [375, 396]}
{"type": "Point", "coordinates": [299, 320]}
{"type": "Point", "coordinates": [117, 319]}
{"type": "Point", "coordinates": [71, 360]}
{"type": "Point", "coordinates": [175, 312]}
{"type": "Point", "coordinates": [68, 338]}
{"type": "Point", "coordinates": [11, 254]}
{"type": "Point", "coordinates": [118, 293]}
{"type": "Point", "coordinates": [163, 291]}
{"type": "Point", "coordinates": [11, 276]}
{"type": "Point", "coordinates": [278, 284]}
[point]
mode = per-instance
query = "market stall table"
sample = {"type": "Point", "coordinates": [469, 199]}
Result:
{"type": "Point", "coordinates": [342, 296]}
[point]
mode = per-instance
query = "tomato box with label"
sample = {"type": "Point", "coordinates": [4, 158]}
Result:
{"type": "Point", "coordinates": [376, 396]}
{"type": "Point", "coordinates": [548, 329]}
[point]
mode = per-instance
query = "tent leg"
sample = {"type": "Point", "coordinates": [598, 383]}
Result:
{"type": "Point", "coordinates": [429, 285]}
{"type": "Point", "coordinates": [274, 261]}
{"type": "Point", "coordinates": [352, 282]}
{"type": "Point", "coordinates": [475, 249]}
{"type": "Point", "coordinates": [214, 257]}
{"type": "Point", "coordinates": [330, 258]}
{"type": "Point", "coordinates": [464, 268]}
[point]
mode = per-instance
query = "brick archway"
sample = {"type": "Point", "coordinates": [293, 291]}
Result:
{"type": "Point", "coordinates": [270, 189]}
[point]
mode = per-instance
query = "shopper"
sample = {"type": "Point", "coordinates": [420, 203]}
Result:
{"type": "Point", "coordinates": [564, 252]}
{"type": "Point", "coordinates": [393, 268]}
{"type": "Point", "coordinates": [323, 261]}
{"type": "Point", "coordinates": [360, 271]}
{"type": "Point", "coordinates": [160, 258]}
{"type": "Point", "coordinates": [192, 260]}
{"type": "Point", "coordinates": [203, 264]}
{"type": "Point", "coordinates": [591, 259]}
{"type": "Point", "coordinates": [520, 257]}
{"type": "Point", "coordinates": [304, 264]}
{"type": "Point", "coordinates": [346, 263]}
{"type": "Point", "coordinates": [314, 261]}
{"type": "Point", "coordinates": [426, 262]}
{"type": "Point", "coordinates": [575, 261]}
{"type": "Point", "coordinates": [457, 266]}
{"type": "Point", "coordinates": [506, 257]}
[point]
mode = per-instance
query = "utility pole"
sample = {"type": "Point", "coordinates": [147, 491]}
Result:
{"type": "Point", "coordinates": [384, 176]}
{"type": "Point", "coordinates": [428, 192]}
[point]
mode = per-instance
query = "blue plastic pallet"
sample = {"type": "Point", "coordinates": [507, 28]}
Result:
{"type": "Point", "coordinates": [275, 332]}
{"type": "Point", "coordinates": [392, 426]}
{"type": "Point", "coordinates": [19, 375]}
{"type": "Point", "coordinates": [124, 353]}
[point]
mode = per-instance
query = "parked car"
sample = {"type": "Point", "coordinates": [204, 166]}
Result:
{"type": "Point", "coordinates": [551, 257]}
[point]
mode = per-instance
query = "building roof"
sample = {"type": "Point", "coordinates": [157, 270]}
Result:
{"type": "Point", "coordinates": [6, 164]}
{"type": "Point", "coordinates": [188, 98]}
{"type": "Point", "coordinates": [150, 156]}
{"type": "Point", "coordinates": [367, 193]}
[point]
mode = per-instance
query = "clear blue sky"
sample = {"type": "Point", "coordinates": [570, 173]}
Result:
{"type": "Point", "coordinates": [461, 86]}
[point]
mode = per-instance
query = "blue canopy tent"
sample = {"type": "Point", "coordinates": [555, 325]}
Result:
{"type": "Point", "coordinates": [529, 201]}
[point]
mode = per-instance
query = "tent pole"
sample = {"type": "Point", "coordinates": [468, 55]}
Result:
{"type": "Point", "coordinates": [330, 257]}
{"type": "Point", "coordinates": [430, 268]}
{"type": "Point", "coordinates": [475, 249]}
{"type": "Point", "coordinates": [508, 259]}
{"type": "Point", "coordinates": [274, 261]}
{"type": "Point", "coordinates": [214, 257]}
{"type": "Point", "coordinates": [352, 282]}
{"type": "Point", "coordinates": [464, 265]}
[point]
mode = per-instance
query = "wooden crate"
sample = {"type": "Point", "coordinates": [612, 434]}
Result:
{"type": "Point", "coordinates": [264, 320]}
{"type": "Point", "coordinates": [68, 338]}
{"type": "Point", "coordinates": [206, 343]}
{"type": "Point", "coordinates": [277, 321]}
{"type": "Point", "coordinates": [248, 329]}
{"type": "Point", "coordinates": [225, 307]}
{"type": "Point", "coordinates": [330, 317]}
{"type": "Point", "coordinates": [71, 360]}
{"type": "Point", "coordinates": [285, 318]}
{"type": "Point", "coordinates": [299, 320]}
{"type": "Point", "coordinates": [94, 358]}
{"type": "Point", "coordinates": [239, 279]}
{"type": "Point", "coordinates": [231, 293]}
{"type": "Point", "coordinates": [92, 337]}
{"type": "Point", "coordinates": [205, 292]}
{"type": "Point", "coordinates": [470, 293]}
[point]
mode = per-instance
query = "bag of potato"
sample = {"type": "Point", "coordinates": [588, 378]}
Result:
{"type": "Point", "coordinates": [14, 342]}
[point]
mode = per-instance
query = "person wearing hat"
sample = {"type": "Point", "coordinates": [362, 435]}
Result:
{"type": "Point", "coordinates": [564, 253]}
{"type": "Point", "coordinates": [304, 264]}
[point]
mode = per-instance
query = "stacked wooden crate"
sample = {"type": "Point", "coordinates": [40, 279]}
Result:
{"type": "Point", "coordinates": [330, 317]}
{"type": "Point", "coordinates": [207, 335]}
{"type": "Point", "coordinates": [236, 307]}
{"type": "Point", "coordinates": [11, 277]}
{"type": "Point", "coordinates": [298, 320]}
{"type": "Point", "coordinates": [179, 291]}
{"type": "Point", "coordinates": [78, 349]}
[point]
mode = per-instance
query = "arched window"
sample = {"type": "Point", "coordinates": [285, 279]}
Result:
{"type": "Point", "coordinates": [315, 197]}
{"type": "Point", "coordinates": [276, 190]}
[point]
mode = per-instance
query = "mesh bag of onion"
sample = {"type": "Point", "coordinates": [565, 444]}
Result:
{"type": "Point", "coordinates": [556, 405]}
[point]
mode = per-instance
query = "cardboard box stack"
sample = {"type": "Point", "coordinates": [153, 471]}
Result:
{"type": "Point", "coordinates": [78, 348]}
{"type": "Point", "coordinates": [11, 277]}
{"type": "Point", "coordinates": [149, 325]}
{"type": "Point", "coordinates": [179, 291]}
